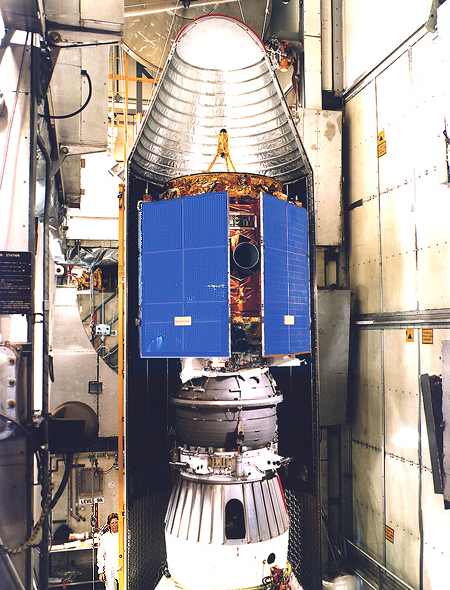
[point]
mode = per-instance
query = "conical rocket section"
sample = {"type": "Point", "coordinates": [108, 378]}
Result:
{"type": "Point", "coordinates": [218, 76]}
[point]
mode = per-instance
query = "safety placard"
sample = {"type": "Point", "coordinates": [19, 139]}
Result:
{"type": "Point", "coordinates": [381, 143]}
{"type": "Point", "coordinates": [427, 336]}
{"type": "Point", "coordinates": [389, 533]}
{"type": "Point", "coordinates": [15, 282]}
{"type": "Point", "coordinates": [409, 335]}
{"type": "Point", "coordinates": [97, 500]}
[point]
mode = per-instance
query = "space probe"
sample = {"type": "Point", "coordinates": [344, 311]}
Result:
{"type": "Point", "coordinates": [224, 286]}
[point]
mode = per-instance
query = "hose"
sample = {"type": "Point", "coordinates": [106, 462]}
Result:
{"type": "Point", "coordinates": [87, 101]}
{"type": "Point", "coordinates": [48, 506]}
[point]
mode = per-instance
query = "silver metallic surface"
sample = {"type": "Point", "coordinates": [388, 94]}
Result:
{"type": "Point", "coordinates": [69, 90]}
{"type": "Point", "coordinates": [210, 410]}
{"type": "Point", "coordinates": [231, 88]}
{"type": "Point", "coordinates": [263, 501]}
{"type": "Point", "coordinates": [334, 343]}
{"type": "Point", "coordinates": [75, 364]}
{"type": "Point", "coordinates": [10, 404]}
{"type": "Point", "coordinates": [152, 26]}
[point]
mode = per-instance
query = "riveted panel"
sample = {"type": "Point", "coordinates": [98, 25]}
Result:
{"type": "Point", "coordinates": [435, 534]}
{"type": "Point", "coordinates": [364, 257]}
{"type": "Point", "coordinates": [398, 250]}
{"type": "Point", "coordinates": [367, 483]}
{"type": "Point", "coordinates": [360, 117]}
{"type": "Point", "coordinates": [402, 556]}
{"type": "Point", "coordinates": [367, 406]}
{"type": "Point", "coordinates": [402, 395]}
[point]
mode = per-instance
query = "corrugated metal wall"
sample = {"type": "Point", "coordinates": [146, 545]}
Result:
{"type": "Point", "coordinates": [398, 206]}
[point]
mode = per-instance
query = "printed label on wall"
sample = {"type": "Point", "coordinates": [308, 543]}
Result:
{"type": "Point", "coordinates": [427, 336]}
{"type": "Point", "coordinates": [381, 143]}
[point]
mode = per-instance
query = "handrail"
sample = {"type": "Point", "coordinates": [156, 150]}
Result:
{"type": "Point", "coordinates": [381, 568]}
{"type": "Point", "coordinates": [99, 306]}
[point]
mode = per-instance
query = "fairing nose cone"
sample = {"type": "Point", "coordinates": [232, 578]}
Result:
{"type": "Point", "coordinates": [217, 76]}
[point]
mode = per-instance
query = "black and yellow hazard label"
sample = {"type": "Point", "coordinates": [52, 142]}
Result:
{"type": "Point", "coordinates": [409, 335]}
{"type": "Point", "coordinates": [381, 143]}
{"type": "Point", "coordinates": [389, 533]}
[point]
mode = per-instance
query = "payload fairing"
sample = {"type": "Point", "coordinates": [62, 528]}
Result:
{"type": "Point", "coordinates": [224, 286]}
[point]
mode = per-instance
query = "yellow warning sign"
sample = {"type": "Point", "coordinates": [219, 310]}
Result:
{"type": "Point", "coordinates": [389, 533]}
{"type": "Point", "coordinates": [427, 336]}
{"type": "Point", "coordinates": [381, 143]}
{"type": "Point", "coordinates": [409, 335]}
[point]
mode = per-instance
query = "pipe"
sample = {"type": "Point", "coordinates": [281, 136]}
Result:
{"type": "Point", "coordinates": [44, 545]}
{"type": "Point", "coordinates": [120, 374]}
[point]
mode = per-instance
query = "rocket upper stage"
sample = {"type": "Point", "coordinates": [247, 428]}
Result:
{"type": "Point", "coordinates": [218, 76]}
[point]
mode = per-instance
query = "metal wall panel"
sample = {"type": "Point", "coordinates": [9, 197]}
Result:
{"type": "Point", "coordinates": [184, 277]}
{"type": "Point", "coordinates": [402, 515]}
{"type": "Point", "coordinates": [333, 321]}
{"type": "Point", "coordinates": [361, 145]}
{"type": "Point", "coordinates": [364, 257]}
{"type": "Point", "coordinates": [370, 35]}
{"type": "Point", "coordinates": [367, 410]}
{"type": "Point", "coordinates": [398, 250]}
{"type": "Point", "coordinates": [286, 277]}
{"type": "Point", "coordinates": [410, 206]}
{"type": "Point", "coordinates": [75, 364]}
{"type": "Point", "coordinates": [433, 209]}
{"type": "Point", "coordinates": [15, 148]}
{"type": "Point", "coordinates": [367, 483]}
{"type": "Point", "coordinates": [69, 88]}
{"type": "Point", "coordinates": [401, 368]}
{"type": "Point", "coordinates": [321, 134]}
{"type": "Point", "coordinates": [436, 524]}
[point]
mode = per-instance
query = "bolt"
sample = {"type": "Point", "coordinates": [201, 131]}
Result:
{"type": "Point", "coordinates": [11, 382]}
{"type": "Point", "coordinates": [64, 150]}
{"type": "Point", "coordinates": [54, 37]}
{"type": "Point", "coordinates": [11, 403]}
{"type": "Point", "coordinates": [9, 426]}
{"type": "Point", "coordinates": [12, 360]}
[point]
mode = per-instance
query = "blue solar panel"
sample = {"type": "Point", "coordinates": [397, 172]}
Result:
{"type": "Point", "coordinates": [286, 278]}
{"type": "Point", "coordinates": [184, 277]}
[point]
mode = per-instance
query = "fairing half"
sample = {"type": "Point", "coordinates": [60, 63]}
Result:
{"type": "Point", "coordinates": [218, 76]}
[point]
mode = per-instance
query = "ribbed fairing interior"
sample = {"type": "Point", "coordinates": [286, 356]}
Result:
{"type": "Point", "coordinates": [196, 511]}
{"type": "Point", "coordinates": [192, 104]}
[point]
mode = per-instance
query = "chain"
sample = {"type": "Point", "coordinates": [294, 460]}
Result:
{"type": "Point", "coordinates": [37, 527]}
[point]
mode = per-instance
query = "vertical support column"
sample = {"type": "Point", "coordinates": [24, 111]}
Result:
{"type": "Point", "coordinates": [120, 396]}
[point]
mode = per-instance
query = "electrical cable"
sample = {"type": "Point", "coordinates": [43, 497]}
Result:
{"type": "Point", "coordinates": [87, 101]}
{"type": "Point", "coordinates": [266, 12]}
